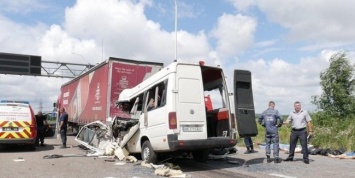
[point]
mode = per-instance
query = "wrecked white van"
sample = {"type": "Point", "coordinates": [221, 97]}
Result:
{"type": "Point", "coordinates": [182, 108]}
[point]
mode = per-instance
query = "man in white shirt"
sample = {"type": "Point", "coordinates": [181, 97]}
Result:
{"type": "Point", "coordinates": [299, 120]}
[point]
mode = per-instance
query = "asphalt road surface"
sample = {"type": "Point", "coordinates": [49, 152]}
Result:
{"type": "Point", "coordinates": [18, 162]}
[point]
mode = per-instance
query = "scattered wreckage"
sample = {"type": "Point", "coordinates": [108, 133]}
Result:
{"type": "Point", "coordinates": [107, 140]}
{"type": "Point", "coordinates": [110, 139]}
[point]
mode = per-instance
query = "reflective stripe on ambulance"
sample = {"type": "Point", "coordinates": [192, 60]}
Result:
{"type": "Point", "coordinates": [25, 133]}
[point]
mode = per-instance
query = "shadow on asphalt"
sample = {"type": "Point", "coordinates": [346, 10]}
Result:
{"type": "Point", "coordinates": [13, 148]}
{"type": "Point", "coordinates": [16, 148]}
{"type": "Point", "coordinates": [189, 165]}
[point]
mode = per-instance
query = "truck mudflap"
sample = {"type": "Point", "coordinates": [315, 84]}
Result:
{"type": "Point", "coordinates": [212, 142]}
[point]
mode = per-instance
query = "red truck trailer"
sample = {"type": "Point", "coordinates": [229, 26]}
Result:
{"type": "Point", "coordinates": [92, 96]}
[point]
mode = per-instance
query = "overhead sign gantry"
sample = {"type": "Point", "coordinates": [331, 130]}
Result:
{"type": "Point", "coordinates": [20, 64]}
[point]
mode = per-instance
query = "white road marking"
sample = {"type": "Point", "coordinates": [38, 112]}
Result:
{"type": "Point", "coordinates": [280, 175]}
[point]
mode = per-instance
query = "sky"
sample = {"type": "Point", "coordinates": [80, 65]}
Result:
{"type": "Point", "coordinates": [286, 44]}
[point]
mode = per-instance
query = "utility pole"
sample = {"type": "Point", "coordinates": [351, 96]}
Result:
{"type": "Point", "coordinates": [176, 11]}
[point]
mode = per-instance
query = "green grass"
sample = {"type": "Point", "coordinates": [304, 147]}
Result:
{"type": "Point", "coordinates": [327, 133]}
{"type": "Point", "coordinates": [334, 133]}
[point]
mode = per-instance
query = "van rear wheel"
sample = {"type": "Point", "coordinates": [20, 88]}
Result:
{"type": "Point", "coordinates": [200, 155]}
{"type": "Point", "coordinates": [148, 154]}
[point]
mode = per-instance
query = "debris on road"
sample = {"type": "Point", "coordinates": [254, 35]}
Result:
{"type": "Point", "coordinates": [110, 160]}
{"type": "Point", "coordinates": [145, 164]}
{"type": "Point", "coordinates": [103, 141]}
{"type": "Point", "coordinates": [19, 159]}
{"type": "Point", "coordinates": [61, 156]}
{"type": "Point", "coordinates": [120, 163]}
{"type": "Point", "coordinates": [168, 170]}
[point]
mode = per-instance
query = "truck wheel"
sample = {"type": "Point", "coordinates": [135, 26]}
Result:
{"type": "Point", "coordinates": [200, 155]}
{"type": "Point", "coordinates": [148, 154]}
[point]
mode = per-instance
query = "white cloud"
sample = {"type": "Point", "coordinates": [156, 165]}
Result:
{"type": "Point", "coordinates": [321, 20]}
{"type": "Point", "coordinates": [21, 6]}
{"type": "Point", "coordinates": [19, 37]}
{"type": "Point", "coordinates": [120, 26]}
{"type": "Point", "coordinates": [97, 30]}
{"type": "Point", "coordinates": [243, 5]}
{"type": "Point", "coordinates": [284, 82]}
{"type": "Point", "coordinates": [187, 10]}
{"type": "Point", "coordinates": [234, 34]}
{"type": "Point", "coordinates": [58, 45]}
{"type": "Point", "coordinates": [32, 89]}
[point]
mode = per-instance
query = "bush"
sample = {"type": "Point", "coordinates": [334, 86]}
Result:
{"type": "Point", "coordinates": [333, 133]}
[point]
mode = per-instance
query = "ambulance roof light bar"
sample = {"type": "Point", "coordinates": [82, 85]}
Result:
{"type": "Point", "coordinates": [14, 101]}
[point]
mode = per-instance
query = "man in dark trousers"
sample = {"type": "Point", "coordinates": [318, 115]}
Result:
{"type": "Point", "coordinates": [63, 122]}
{"type": "Point", "coordinates": [249, 144]}
{"type": "Point", "coordinates": [271, 119]}
{"type": "Point", "coordinates": [41, 120]}
{"type": "Point", "coordinates": [299, 120]}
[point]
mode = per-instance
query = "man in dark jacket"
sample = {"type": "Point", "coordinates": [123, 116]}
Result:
{"type": "Point", "coordinates": [41, 121]}
{"type": "Point", "coordinates": [63, 122]}
{"type": "Point", "coordinates": [271, 119]}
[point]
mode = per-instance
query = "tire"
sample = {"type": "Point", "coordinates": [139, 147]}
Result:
{"type": "Point", "coordinates": [148, 154]}
{"type": "Point", "coordinates": [200, 155]}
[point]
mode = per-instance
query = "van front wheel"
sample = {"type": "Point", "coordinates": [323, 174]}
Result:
{"type": "Point", "coordinates": [148, 153]}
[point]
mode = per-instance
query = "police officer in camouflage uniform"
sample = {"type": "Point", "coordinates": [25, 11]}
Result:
{"type": "Point", "coordinates": [271, 119]}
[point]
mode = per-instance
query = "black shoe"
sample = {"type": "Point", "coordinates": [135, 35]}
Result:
{"type": "Point", "coordinates": [306, 161]}
{"type": "Point", "coordinates": [277, 160]}
{"type": "Point", "coordinates": [268, 160]}
{"type": "Point", "coordinates": [248, 151]}
{"type": "Point", "coordinates": [63, 146]}
{"type": "Point", "coordinates": [288, 159]}
{"type": "Point", "coordinates": [42, 145]}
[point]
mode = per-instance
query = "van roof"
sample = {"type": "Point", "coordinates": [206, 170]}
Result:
{"type": "Point", "coordinates": [127, 94]}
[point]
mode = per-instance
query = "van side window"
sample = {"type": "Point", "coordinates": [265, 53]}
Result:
{"type": "Point", "coordinates": [162, 93]}
{"type": "Point", "coordinates": [151, 99]}
{"type": "Point", "coordinates": [157, 96]}
{"type": "Point", "coordinates": [140, 103]}
{"type": "Point", "coordinates": [137, 106]}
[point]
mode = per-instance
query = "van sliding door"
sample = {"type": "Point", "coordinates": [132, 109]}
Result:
{"type": "Point", "coordinates": [244, 104]}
